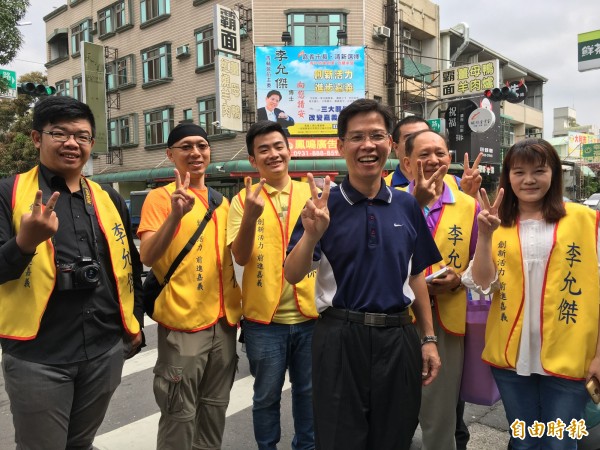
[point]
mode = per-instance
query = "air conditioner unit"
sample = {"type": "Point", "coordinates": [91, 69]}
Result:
{"type": "Point", "coordinates": [381, 32]}
{"type": "Point", "coordinates": [183, 51]}
{"type": "Point", "coordinates": [406, 34]}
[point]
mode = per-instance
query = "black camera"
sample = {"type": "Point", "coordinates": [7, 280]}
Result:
{"type": "Point", "coordinates": [83, 273]}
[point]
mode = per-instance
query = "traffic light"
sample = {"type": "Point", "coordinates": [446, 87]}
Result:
{"type": "Point", "coordinates": [498, 94]}
{"type": "Point", "coordinates": [35, 89]}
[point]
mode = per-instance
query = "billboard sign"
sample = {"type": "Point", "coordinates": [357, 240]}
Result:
{"type": "Point", "coordinates": [588, 46]}
{"type": "Point", "coordinates": [313, 147]}
{"type": "Point", "coordinates": [94, 90]}
{"type": "Point", "coordinates": [315, 84]}
{"type": "Point", "coordinates": [591, 152]}
{"type": "Point", "coordinates": [470, 80]}
{"type": "Point", "coordinates": [462, 138]}
{"type": "Point", "coordinates": [229, 92]}
{"type": "Point", "coordinates": [576, 141]}
{"type": "Point", "coordinates": [227, 30]}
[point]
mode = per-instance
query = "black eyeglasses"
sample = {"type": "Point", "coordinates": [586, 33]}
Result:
{"type": "Point", "coordinates": [61, 136]}
{"type": "Point", "coordinates": [375, 138]}
{"type": "Point", "coordinates": [189, 147]}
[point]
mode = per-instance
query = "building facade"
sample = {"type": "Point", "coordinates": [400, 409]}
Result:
{"type": "Point", "coordinates": [160, 71]}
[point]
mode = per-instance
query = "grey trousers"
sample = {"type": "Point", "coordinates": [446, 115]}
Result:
{"type": "Point", "coordinates": [192, 379]}
{"type": "Point", "coordinates": [58, 407]}
{"type": "Point", "coordinates": [438, 400]}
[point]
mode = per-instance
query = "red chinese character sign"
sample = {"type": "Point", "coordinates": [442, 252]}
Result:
{"type": "Point", "coordinates": [305, 88]}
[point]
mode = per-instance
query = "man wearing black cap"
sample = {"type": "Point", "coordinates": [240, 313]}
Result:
{"type": "Point", "coordinates": [198, 309]}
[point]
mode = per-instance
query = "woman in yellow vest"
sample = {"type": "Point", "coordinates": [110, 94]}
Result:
{"type": "Point", "coordinates": [539, 257]}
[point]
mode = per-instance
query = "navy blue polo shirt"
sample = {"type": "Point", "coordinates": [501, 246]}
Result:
{"type": "Point", "coordinates": [370, 249]}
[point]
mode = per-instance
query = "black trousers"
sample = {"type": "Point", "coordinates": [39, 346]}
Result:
{"type": "Point", "coordinates": [366, 385]}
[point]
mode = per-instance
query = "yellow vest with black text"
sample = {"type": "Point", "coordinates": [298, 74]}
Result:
{"type": "Point", "coordinates": [203, 287]}
{"type": "Point", "coordinates": [24, 300]}
{"type": "Point", "coordinates": [452, 236]}
{"type": "Point", "coordinates": [569, 307]}
{"type": "Point", "coordinates": [263, 279]}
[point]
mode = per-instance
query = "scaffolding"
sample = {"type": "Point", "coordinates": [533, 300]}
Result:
{"type": "Point", "coordinates": [113, 102]}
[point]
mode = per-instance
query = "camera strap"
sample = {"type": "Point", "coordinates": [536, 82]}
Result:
{"type": "Point", "coordinates": [215, 199]}
{"type": "Point", "coordinates": [91, 211]}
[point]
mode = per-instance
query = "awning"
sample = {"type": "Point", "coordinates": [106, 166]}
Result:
{"type": "Point", "coordinates": [234, 169]}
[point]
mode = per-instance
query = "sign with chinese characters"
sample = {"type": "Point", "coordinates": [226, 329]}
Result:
{"type": "Point", "coordinates": [591, 152]}
{"type": "Point", "coordinates": [481, 120]}
{"type": "Point", "coordinates": [227, 30]}
{"type": "Point", "coordinates": [463, 140]}
{"type": "Point", "coordinates": [315, 84]}
{"type": "Point", "coordinates": [471, 79]}
{"type": "Point", "coordinates": [94, 90]}
{"type": "Point", "coordinates": [437, 125]}
{"type": "Point", "coordinates": [10, 78]}
{"type": "Point", "coordinates": [577, 141]}
{"type": "Point", "coordinates": [314, 147]}
{"type": "Point", "coordinates": [588, 47]}
{"type": "Point", "coordinates": [229, 93]}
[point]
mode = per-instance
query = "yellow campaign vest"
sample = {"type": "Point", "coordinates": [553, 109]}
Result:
{"type": "Point", "coordinates": [569, 308]}
{"type": "Point", "coordinates": [452, 236]}
{"type": "Point", "coordinates": [388, 178]}
{"type": "Point", "coordinates": [24, 300]}
{"type": "Point", "coordinates": [263, 279]}
{"type": "Point", "coordinates": [203, 285]}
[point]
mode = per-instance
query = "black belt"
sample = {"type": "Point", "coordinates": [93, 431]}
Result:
{"type": "Point", "coordinates": [370, 319]}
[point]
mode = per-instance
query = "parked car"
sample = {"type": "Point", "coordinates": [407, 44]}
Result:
{"type": "Point", "coordinates": [136, 200]}
{"type": "Point", "coordinates": [593, 201]}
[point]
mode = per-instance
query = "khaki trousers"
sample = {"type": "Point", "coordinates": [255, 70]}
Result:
{"type": "Point", "coordinates": [192, 380]}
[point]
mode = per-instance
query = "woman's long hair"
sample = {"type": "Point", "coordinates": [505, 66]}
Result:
{"type": "Point", "coordinates": [532, 151]}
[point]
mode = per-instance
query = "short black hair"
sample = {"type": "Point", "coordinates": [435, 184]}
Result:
{"type": "Point", "coordinates": [274, 91]}
{"type": "Point", "coordinates": [364, 105]}
{"type": "Point", "coordinates": [410, 142]}
{"type": "Point", "coordinates": [406, 121]}
{"type": "Point", "coordinates": [51, 110]}
{"type": "Point", "coordinates": [260, 128]}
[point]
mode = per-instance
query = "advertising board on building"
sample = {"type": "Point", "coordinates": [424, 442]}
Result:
{"type": "Point", "coordinates": [591, 152]}
{"type": "Point", "coordinates": [577, 141]}
{"type": "Point", "coordinates": [315, 84]}
{"type": "Point", "coordinates": [227, 30]}
{"type": "Point", "coordinates": [471, 79]}
{"type": "Point", "coordinates": [229, 94]}
{"type": "Point", "coordinates": [463, 140]}
{"type": "Point", "coordinates": [93, 77]}
{"type": "Point", "coordinates": [588, 47]}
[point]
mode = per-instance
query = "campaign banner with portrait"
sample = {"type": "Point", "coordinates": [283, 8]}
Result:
{"type": "Point", "coordinates": [305, 88]}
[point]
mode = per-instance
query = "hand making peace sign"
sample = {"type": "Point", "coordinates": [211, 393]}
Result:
{"type": "Point", "coordinates": [38, 226]}
{"type": "Point", "coordinates": [181, 202]}
{"type": "Point", "coordinates": [315, 215]}
{"type": "Point", "coordinates": [488, 220]}
{"type": "Point", "coordinates": [471, 178]}
{"type": "Point", "coordinates": [425, 190]}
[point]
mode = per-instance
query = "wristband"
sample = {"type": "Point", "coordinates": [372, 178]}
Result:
{"type": "Point", "coordinates": [428, 339]}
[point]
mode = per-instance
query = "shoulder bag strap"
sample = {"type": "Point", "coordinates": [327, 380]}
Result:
{"type": "Point", "coordinates": [215, 199]}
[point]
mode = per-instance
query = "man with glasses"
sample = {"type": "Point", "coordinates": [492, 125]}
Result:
{"type": "Point", "coordinates": [371, 245]}
{"type": "Point", "coordinates": [69, 286]}
{"type": "Point", "coordinates": [198, 310]}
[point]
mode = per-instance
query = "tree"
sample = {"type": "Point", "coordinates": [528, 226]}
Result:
{"type": "Point", "coordinates": [11, 13]}
{"type": "Point", "coordinates": [17, 152]}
